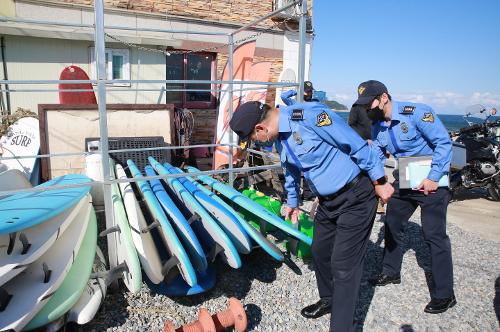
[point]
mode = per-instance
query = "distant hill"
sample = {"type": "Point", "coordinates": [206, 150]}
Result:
{"type": "Point", "coordinates": [335, 105]}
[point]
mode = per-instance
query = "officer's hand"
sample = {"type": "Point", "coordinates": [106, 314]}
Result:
{"type": "Point", "coordinates": [384, 191]}
{"type": "Point", "coordinates": [293, 215]}
{"type": "Point", "coordinates": [428, 186]}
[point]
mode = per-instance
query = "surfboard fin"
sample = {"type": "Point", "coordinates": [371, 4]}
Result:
{"type": "Point", "coordinates": [25, 242]}
{"type": "Point", "coordinates": [153, 225]}
{"type": "Point", "coordinates": [46, 273]}
{"type": "Point", "coordinates": [216, 249]}
{"type": "Point", "coordinates": [12, 241]}
{"type": "Point", "coordinates": [293, 245]}
{"type": "Point", "coordinates": [4, 299]}
{"type": "Point", "coordinates": [262, 226]}
{"type": "Point", "coordinates": [110, 230]}
{"type": "Point", "coordinates": [193, 218]}
{"type": "Point", "coordinates": [111, 275]}
{"type": "Point", "coordinates": [169, 264]}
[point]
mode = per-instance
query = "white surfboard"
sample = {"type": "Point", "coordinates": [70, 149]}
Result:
{"type": "Point", "coordinates": [13, 179]}
{"type": "Point", "coordinates": [286, 76]}
{"type": "Point", "coordinates": [92, 297]}
{"type": "Point", "coordinates": [22, 139]}
{"type": "Point", "coordinates": [33, 288]}
{"type": "Point", "coordinates": [15, 256]}
{"type": "Point", "coordinates": [144, 244]}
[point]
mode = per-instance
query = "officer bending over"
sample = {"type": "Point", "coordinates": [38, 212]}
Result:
{"type": "Point", "coordinates": [344, 172]}
{"type": "Point", "coordinates": [406, 130]}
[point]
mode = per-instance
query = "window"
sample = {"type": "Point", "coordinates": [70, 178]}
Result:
{"type": "Point", "coordinates": [199, 66]}
{"type": "Point", "coordinates": [117, 65]}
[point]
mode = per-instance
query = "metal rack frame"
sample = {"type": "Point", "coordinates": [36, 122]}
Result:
{"type": "Point", "coordinates": [101, 81]}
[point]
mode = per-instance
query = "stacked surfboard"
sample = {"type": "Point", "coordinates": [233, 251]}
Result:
{"type": "Point", "coordinates": [174, 229]}
{"type": "Point", "coordinates": [48, 244]}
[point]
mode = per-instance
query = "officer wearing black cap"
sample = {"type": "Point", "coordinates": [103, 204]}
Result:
{"type": "Point", "coordinates": [344, 172]}
{"type": "Point", "coordinates": [408, 130]}
{"type": "Point", "coordinates": [286, 96]}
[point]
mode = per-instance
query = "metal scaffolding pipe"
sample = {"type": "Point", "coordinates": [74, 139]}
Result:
{"type": "Point", "coordinates": [230, 62]}
{"type": "Point", "coordinates": [148, 81]}
{"type": "Point", "coordinates": [302, 49]}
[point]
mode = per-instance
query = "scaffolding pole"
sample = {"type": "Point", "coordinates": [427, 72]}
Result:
{"type": "Point", "coordinates": [100, 56]}
{"type": "Point", "coordinates": [302, 49]}
{"type": "Point", "coordinates": [230, 61]}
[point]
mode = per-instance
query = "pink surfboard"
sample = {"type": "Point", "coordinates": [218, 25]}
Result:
{"type": "Point", "coordinates": [75, 97]}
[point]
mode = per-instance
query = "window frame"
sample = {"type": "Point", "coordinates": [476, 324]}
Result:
{"type": "Point", "coordinates": [110, 52]}
{"type": "Point", "coordinates": [213, 73]}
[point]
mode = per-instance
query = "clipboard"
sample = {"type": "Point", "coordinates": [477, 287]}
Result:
{"type": "Point", "coordinates": [412, 171]}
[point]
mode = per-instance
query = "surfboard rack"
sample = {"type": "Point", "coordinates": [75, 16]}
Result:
{"type": "Point", "coordinates": [169, 264]}
{"type": "Point", "coordinates": [12, 241]}
{"type": "Point", "coordinates": [47, 273]}
{"type": "Point", "coordinates": [25, 243]}
{"type": "Point", "coordinates": [4, 299]}
{"type": "Point", "coordinates": [109, 230]}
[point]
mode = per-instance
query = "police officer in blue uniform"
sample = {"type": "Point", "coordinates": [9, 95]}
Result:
{"type": "Point", "coordinates": [406, 130]}
{"type": "Point", "coordinates": [287, 96]}
{"type": "Point", "coordinates": [345, 173]}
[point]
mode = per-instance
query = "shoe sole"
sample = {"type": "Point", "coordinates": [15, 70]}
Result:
{"type": "Point", "coordinates": [451, 305]}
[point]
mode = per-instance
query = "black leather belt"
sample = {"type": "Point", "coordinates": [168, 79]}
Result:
{"type": "Point", "coordinates": [343, 189]}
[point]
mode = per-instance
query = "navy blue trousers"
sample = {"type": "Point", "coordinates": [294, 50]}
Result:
{"type": "Point", "coordinates": [399, 209]}
{"type": "Point", "coordinates": [342, 228]}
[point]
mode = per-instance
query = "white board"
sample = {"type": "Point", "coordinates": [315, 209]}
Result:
{"type": "Point", "coordinates": [22, 139]}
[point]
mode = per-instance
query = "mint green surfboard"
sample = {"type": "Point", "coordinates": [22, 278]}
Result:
{"type": "Point", "coordinates": [74, 283]}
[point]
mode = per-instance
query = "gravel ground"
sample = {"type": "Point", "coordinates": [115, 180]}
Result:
{"type": "Point", "coordinates": [273, 293]}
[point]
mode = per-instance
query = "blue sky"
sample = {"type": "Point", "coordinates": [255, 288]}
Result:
{"type": "Point", "coordinates": [444, 53]}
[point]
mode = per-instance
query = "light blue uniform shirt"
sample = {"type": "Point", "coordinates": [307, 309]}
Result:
{"type": "Point", "coordinates": [415, 130]}
{"type": "Point", "coordinates": [319, 143]}
{"type": "Point", "coordinates": [286, 97]}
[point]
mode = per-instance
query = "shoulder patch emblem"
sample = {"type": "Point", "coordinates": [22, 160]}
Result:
{"type": "Point", "coordinates": [428, 117]}
{"type": "Point", "coordinates": [404, 127]}
{"type": "Point", "coordinates": [323, 119]}
{"type": "Point", "coordinates": [408, 109]}
{"type": "Point", "coordinates": [297, 114]}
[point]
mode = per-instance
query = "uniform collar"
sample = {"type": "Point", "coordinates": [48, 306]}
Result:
{"type": "Point", "coordinates": [284, 120]}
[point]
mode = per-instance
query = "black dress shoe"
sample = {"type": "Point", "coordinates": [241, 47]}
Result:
{"type": "Point", "coordinates": [437, 306]}
{"type": "Point", "coordinates": [384, 279]}
{"type": "Point", "coordinates": [318, 309]}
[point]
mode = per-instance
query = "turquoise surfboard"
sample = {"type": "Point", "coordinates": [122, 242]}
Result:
{"type": "Point", "coordinates": [181, 225]}
{"type": "Point", "coordinates": [177, 253]}
{"type": "Point", "coordinates": [251, 206]}
{"type": "Point", "coordinates": [257, 236]}
{"type": "Point", "coordinates": [221, 242]}
{"type": "Point", "coordinates": [18, 212]}
{"type": "Point", "coordinates": [226, 219]}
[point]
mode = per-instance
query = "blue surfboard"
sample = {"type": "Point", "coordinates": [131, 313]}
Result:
{"type": "Point", "coordinates": [257, 236]}
{"type": "Point", "coordinates": [20, 211]}
{"type": "Point", "coordinates": [251, 206]}
{"type": "Point", "coordinates": [226, 219]}
{"type": "Point", "coordinates": [178, 287]}
{"type": "Point", "coordinates": [184, 230]}
{"type": "Point", "coordinates": [206, 224]}
{"type": "Point", "coordinates": [178, 255]}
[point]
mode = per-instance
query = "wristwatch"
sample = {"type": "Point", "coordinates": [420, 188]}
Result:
{"type": "Point", "coordinates": [381, 181]}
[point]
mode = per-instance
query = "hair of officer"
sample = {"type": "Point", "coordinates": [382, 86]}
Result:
{"type": "Point", "coordinates": [265, 112]}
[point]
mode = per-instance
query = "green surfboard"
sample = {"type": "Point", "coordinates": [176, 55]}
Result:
{"type": "Point", "coordinates": [74, 283]}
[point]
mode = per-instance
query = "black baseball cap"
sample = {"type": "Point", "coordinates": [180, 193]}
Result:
{"type": "Point", "coordinates": [368, 91]}
{"type": "Point", "coordinates": [245, 118]}
{"type": "Point", "coordinates": [308, 87]}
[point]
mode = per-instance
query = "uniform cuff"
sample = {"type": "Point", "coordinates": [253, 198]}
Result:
{"type": "Point", "coordinates": [292, 202]}
{"type": "Point", "coordinates": [435, 175]}
{"type": "Point", "coordinates": [376, 173]}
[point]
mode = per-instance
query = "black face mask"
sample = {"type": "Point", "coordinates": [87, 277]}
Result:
{"type": "Point", "coordinates": [375, 114]}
